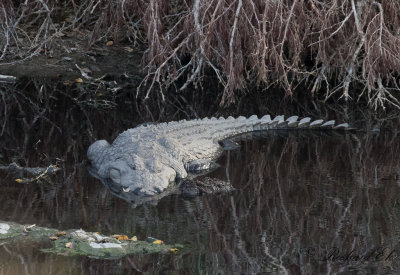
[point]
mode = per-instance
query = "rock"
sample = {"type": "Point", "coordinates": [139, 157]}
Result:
{"type": "Point", "coordinates": [104, 245]}
{"type": "Point", "coordinates": [4, 227]}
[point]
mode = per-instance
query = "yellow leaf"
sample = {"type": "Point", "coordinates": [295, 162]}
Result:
{"type": "Point", "coordinates": [120, 237]}
{"type": "Point", "coordinates": [134, 239]}
{"type": "Point", "coordinates": [109, 43]}
{"type": "Point", "coordinates": [53, 238]}
{"type": "Point", "coordinates": [18, 180]}
{"type": "Point", "coordinates": [79, 80]}
{"type": "Point", "coordinates": [175, 250]}
{"type": "Point", "coordinates": [158, 242]}
{"type": "Point", "coordinates": [29, 228]}
{"type": "Point", "coordinates": [59, 234]}
{"type": "Point", "coordinates": [69, 245]}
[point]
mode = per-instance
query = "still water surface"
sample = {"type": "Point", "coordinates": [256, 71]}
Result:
{"type": "Point", "coordinates": [305, 203]}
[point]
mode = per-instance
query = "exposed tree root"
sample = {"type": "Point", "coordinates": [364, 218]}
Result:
{"type": "Point", "coordinates": [337, 46]}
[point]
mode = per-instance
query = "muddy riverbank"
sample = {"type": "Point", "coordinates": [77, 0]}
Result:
{"type": "Point", "coordinates": [70, 57]}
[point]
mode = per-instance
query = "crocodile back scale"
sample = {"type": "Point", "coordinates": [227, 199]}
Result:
{"type": "Point", "coordinates": [146, 159]}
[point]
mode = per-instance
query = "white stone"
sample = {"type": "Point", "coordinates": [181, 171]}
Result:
{"type": "Point", "coordinates": [4, 228]}
{"type": "Point", "coordinates": [83, 235]}
{"type": "Point", "coordinates": [104, 245]}
{"type": "Point", "coordinates": [99, 237]}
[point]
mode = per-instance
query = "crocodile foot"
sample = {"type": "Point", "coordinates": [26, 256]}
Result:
{"type": "Point", "coordinates": [191, 188]}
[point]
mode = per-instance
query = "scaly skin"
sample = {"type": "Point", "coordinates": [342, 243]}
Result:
{"type": "Point", "coordinates": [146, 159]}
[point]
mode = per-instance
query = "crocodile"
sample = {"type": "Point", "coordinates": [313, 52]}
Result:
{"type": "Point", "coordinates": [145, 160]}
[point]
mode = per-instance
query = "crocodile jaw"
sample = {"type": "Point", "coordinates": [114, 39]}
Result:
{"type": "Point", "coordinates": [120, 177]}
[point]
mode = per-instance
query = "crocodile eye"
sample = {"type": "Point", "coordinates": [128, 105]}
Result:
{"type": "Point", "coordinates": [132, 163]}
{"type": "Point", "coordinates": [133, 167]}
{"type": "Point", "coordinates": [115, 175]}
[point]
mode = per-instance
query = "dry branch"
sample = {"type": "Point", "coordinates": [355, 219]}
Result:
{"type": "Point", "coordinates": [338, 46]}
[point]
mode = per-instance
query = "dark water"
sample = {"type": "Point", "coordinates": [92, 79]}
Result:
{"type": "Point", "coordinates": [305, 203]}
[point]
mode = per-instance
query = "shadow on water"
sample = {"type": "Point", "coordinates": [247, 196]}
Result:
{"type": "Point", "coordinates": [304, 202]}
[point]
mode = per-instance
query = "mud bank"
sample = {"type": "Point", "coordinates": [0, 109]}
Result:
{"type": "Point", "coordinates": [79, 242]}
{"type": "Point", "coordinates": [71, 59]}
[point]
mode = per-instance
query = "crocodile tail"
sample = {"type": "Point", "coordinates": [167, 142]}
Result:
{"type": "Point", "coordinates": [279, 122]}
{"type": "Point", "coordinates": [237, 126]}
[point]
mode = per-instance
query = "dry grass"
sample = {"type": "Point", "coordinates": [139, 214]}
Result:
{"type": "Point", "coordinates": [346, 48]}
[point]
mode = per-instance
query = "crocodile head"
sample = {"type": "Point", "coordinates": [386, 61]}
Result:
{"type": "Point", "coordinates": [127, 172]}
